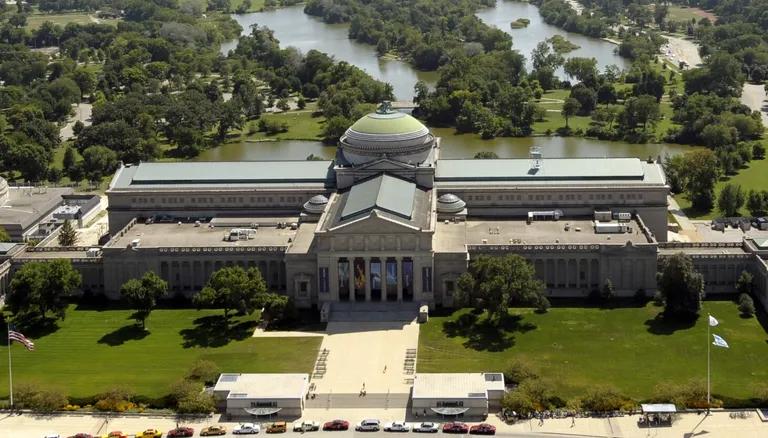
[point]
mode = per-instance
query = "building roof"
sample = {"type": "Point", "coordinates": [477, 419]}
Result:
{"type": "Point", "coordinates": [263, 386]}
{"type": "Point", "coordinates": [456, 385]}
{"type": "Point", "coordinates": [229, 173]}
{"type": "Point", "coordinates": [552, 170]}
{"type": "Point", "coordinates": [386, 122]}
{"type": "Point", "coordinates": [384, 192]}
{"type": "Point", "coordinates": [27, 205]}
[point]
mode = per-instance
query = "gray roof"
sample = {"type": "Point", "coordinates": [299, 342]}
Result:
{"type": "Point", "coordinates": [230, 173]}
{"type": "Point", "coordinates": [384, 192]}
{"type": "Point", "coordinates": [553, 169]}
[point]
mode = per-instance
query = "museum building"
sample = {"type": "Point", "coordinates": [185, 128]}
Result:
{"type": "Point", "coordinates": [386, 221]}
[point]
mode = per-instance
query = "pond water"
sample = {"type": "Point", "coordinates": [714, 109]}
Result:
{"type": "Point", "coordinates": [295, 28]}
{"type": "Point", "coordinates": [452, 146]}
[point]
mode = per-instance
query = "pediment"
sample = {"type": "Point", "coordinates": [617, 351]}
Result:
{"type": "Point", "coordinates": [373, 222]}
{"type": "Point", "coordinates": [384, 164]}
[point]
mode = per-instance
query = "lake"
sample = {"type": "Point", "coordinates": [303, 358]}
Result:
{"type": "Point", "coordinates": [452, 146]}
{"type": "Point", "coordinates": [295, 28]}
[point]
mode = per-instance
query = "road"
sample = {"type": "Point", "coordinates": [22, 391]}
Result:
{"type": "Point", "coordinates": [753, 96]}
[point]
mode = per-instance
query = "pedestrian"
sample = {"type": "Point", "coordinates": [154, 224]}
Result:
{"type": "Point", "coordinates": [573, 421]}
{"type": "Point", "coordinates": [385, 369]}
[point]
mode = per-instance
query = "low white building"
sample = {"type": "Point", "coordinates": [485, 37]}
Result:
{"type": "Point", "coordinates": [261, 395]}
{"type": "Point", "coordinates": [457, 394]}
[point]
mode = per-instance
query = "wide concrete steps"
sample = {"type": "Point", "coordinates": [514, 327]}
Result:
{"type": "Point", "coordinates": [373, 312]}
{"type": "Point", "coordinates": [356, 401]}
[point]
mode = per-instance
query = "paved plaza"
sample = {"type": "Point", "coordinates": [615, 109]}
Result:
{"type": "Point", "coordinates": [717, 425]}
{"type": "Point", "coordinates": [367, 355]}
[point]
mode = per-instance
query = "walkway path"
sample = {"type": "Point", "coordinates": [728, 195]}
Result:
{"type": "Point", "coordinates": [83, 114]}
{"type": "Point", "coordinates": [680, 49]}
{"type": "Point", "coordinates": [687, 228]}
{"type": "Point", "coordinates": [753, 96]}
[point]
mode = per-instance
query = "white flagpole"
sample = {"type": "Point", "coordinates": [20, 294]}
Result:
{"type": "Point", "coordinates": [10, 372]}
{"type": "Point", "coordinates": [708, 362]}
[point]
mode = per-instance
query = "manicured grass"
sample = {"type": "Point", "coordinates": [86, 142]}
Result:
{"type": "Point", "coordinates": [754, 177]}
{"type": "Point", "coordinates": [94, 350]}
{"type": "Point", "coordinates": [256, 5]}
{"type": "Point", "coordinates": [579, 348]}
{"type": "Point", "coordinates": [679, 13]}
{"type": "Point", "coordinates": [302, 125]}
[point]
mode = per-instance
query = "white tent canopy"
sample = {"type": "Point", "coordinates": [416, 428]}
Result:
{"type": "Point", "coordinates": [658, 408]}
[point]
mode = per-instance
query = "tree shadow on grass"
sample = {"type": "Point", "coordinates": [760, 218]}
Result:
{"type": "Point", "coordinates": [212, 331]}
{"type": "Point", "coordinates": [35, 327]}
{"type": "Point", "coordinates": [132, 332]}
{"type": "Point", "coordinates": [664, 326]}
{"type": "Point", "coordinates": [484, 334]}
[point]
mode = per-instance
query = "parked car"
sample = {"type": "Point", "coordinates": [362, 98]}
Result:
{"type": "Point", "coordinates": [397, 426]}
{"type": "Point", "coordinates": [246, 429]}
{"type": "Point", "coordinates": [149, 433]}
{"type": "Point", "coordinates": [483, 429]}
{"type": "Point", "coordinates": [336, 425]}
{"type": "Point", "coordinates": [370, 425]}
{"type": "Point", "coordinates": [427, 427]}
{"type": "Point", "coordinates": [115, 434]}
{"type": "Point", "coordinates": [306, 426]}
{"type": "Point", "coordinates": [213, 430]}
{"type": "Point", "coordinates": [277, 427]}
{"type": "Point", "coordinates": [81, 435]}
{"type": "Point", "coordinates": [52, 435]}
{"type": "Point", "coordinates": [455, 427]}
{"type": "Point", "coordinates": [180, 432]}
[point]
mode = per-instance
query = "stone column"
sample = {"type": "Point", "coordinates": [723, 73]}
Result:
{"type": "Point", "coordinates": [367, 279]}
{"type": "Point", "coordinates": [399, 279]}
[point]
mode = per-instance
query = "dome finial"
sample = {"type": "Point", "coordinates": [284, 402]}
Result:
{"type": "Point", "coordinates": [385, 108]}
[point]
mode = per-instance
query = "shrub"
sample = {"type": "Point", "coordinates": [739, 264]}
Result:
{"type": "Point", "coordinates": [640, 296]}
{"type": "Point", "coordinates": [204, 371]}
{"type": "Point", "coordinates": [189, 398]}
{"type": "Point", "coordinates": [30, 396]}
{"type": "Point", "coordinates": [117, 399]}
{"type": "Point", "coordinates": [520, 370]}
{"type": "Point", "coordinates": [658, 298]}
{"type": "Point", "coordinates": [746, 305]}
{"type": "Point", "coordinates": [272, 126]}
{"type": "Point", "coordinates": [604, 399]}
{"type": "Point", "coordinates": [542, 304]}
{"type": "Point", "coordinates": [607, 292]}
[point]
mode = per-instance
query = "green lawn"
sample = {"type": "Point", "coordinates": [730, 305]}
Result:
{"type": "Point", "coordinates": [578, 348]}
{"type": "Point", "coordinates": [94, 350]}
{"type": "Point", "coordinates": [754, 177]}
{"type": "Point", "coordinates": [302, 125]}
{"type": "Point", "coordinates": [256, 5]}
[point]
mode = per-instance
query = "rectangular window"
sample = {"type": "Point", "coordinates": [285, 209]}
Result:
{"type": "Point", "coordinates": [426, 279]}
{"type": "Point", "coordinates": [449, 288]}
{"type": "Point", "coordinates": [323, 281]}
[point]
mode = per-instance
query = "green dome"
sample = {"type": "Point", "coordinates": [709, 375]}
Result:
{"type": "Point", "coordinates": [387, 123]}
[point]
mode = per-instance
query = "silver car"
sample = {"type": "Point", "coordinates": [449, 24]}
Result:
{"type": "Point", "coordinates": [427, 427]}
{"type": "Point", "coordinates": [370, 425]}
{"type": "Point", "coordinates": [397, 426]}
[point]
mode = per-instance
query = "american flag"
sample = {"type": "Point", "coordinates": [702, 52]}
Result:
{"type": "Point", "coordinates": [13, 335]}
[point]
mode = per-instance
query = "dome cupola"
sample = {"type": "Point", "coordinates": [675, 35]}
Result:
{"type": "Point", "coordinates": [316, 205]}
{"type": "Point", "coordinates": [450, 203]}
{"type": "Point", "coordinates": [387, 133]}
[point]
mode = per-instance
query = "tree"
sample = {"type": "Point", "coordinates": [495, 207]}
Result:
{"type": "Point", "coordinates": [276, 308]}
{"type": "Point", "coordinates": [4, 236]}
{"type": "Point", "coordinates": [230, 116]}
{"type": "Point", "coordinates": [486, 155]}
{"type": "Point", "coordinates": [143, 294]}
{"type": "Point", "coordinates": [531, 395]}
{"type": "Point", "coordinates": [682, 287]}
{"type": "Point", "coordinates": [730, 200]}
{"type": "Point", "coordinates": [744, 284]}
{"type": "Point", "coordinates": [602, 399]}
{"type": "Point", "coordinates": [30, 159]}
{"type": "Point", "coordinates": [334, 128]}
{"type": "Point", "coordinates": [571, 107]}
{"type": "Point", "coordinates": [583, 69]}
{"type": "Point", "coordinates": [69, 159]}
{"type": "Point", "coordinates": [495, 283]}
{"type": "Point", "coordinates": [204, 371]}
{"type": "Point", "coordinates": [98, 162]}
{"type": "Point", "coordinates": [701, 172]}
{"type": "Point", "coordinates": [746, 305]}
{"type": "Point", "coordinates": [233, 288]}
{"type": "Point", "coordinates": [674, 168]}
{"type": "Point", "coordinates": [41, 287]}
{"type": "Point", "coordinates": [189, 398]}
{"type": "Point", "coordinates": [756, 203]}
{"type": "Point", "coordinates": [68, 234]}
{"type": "Point", "coordinates": [607, 292]}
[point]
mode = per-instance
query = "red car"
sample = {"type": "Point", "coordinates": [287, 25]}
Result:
{"type": "Point", "coordinates": [81, 435]}
{"type": "Point", "coordinates": [483, 429]}
{"type": "Point", "coordinates": [455, 427]}
{"type": "Point", "coordinates": [181, 431]}
{"type": "Point", "coordinates": [336, 425]}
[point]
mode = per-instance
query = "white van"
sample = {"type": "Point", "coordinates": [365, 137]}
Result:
{"type": "Point", "coordinates": [368, 426]}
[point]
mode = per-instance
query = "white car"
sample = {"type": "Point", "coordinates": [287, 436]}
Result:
{"type": "Point", "coordinates": [426, 427]}
{"type": "Point", "coordinates": [306, 426]}
{"type": "Point", "coordinates": [370, 425]}
{"type": "Point", "coordinates": [247, 429]}
{"type": "Point", "coordinates": [397, 426]}
{"type": "Point", "coordinates": [52, 435]}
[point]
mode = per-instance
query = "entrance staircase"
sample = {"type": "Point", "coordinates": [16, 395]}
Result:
{"type": "Point", "coordinates": [373, 311]}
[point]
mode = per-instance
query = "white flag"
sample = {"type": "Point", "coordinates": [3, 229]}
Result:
{"type": "Point", "coordinates": [719, 342]}
{"type": "Point", "coordinates": [712, 321]}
